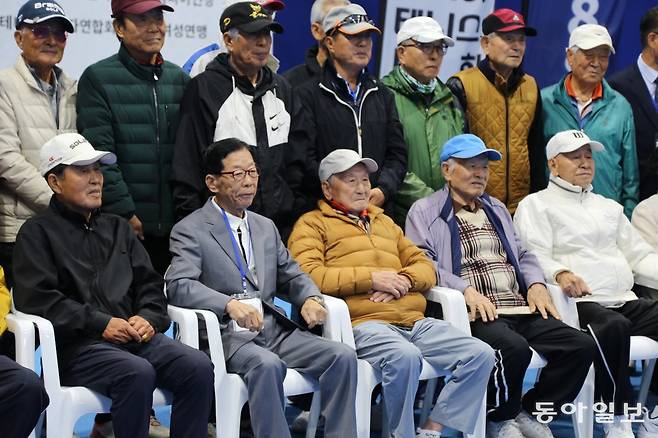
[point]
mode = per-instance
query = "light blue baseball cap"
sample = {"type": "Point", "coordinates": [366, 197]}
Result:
{"type": "Point", "coordinates": [467, 146]}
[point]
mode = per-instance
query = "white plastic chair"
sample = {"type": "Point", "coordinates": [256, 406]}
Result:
{"type": "Point", "coordinates": [67, 403]}
{"type": "Point", "coordinates": [644, 348]}
{"type": "Point", "coordinates": [339, 328]}
{"type": "Point", "coordinates": [583, 421]}
{"type": "Point", "coordinates": [230, 389]}
{"type": "Point", "coordinates": [24, 333]}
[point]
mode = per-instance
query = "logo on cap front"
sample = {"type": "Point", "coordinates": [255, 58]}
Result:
{"type": "Point", "coordinates": [76, 143]}
{"type": "Point", "coordinates": [515, 18]}
{"type": "Point", "coordinates": [50, 7]}
{"type": "Point", "coordinates": [257, 12]}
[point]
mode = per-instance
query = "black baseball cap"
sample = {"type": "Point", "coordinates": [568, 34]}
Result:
{"type": "Point", "coordinates": [249, 17]}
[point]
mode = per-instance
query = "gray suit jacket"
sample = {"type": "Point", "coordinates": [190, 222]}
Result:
{"type": "Point", "coordinates": [204, 273]}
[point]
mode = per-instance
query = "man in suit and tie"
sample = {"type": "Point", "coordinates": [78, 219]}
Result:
{"type": "Point", "coordinates": [225, 258]}
{"type": "Point", "coordinates": [638, 83]}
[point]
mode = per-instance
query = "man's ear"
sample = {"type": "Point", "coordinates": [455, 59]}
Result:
{"type": "Point", "coordinates": [54, 183]}
{"type": "Point", "coordinates": [211, 183]}
{"type": "Point", "coordinates": [326, 190]}
{"type": "Point", "coordinates": [18, 37]}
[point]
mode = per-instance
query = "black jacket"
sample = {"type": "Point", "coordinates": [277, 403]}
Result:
{"type": "Point", "coordinates": [630, 84]}
{"type": "Point", "coordinates": [370, 126]}
{"type": "Point", "coordinates": [80, 274]}
{"type": "Point", "coordinates": [282, 166]}
{"type": "Point", "coordinates": [308, 71]}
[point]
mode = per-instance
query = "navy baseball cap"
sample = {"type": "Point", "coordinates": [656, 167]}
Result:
{"type": "Point", "coordinates": [467, 146]}
{"type": "Point", "coordinates": [35, 12]}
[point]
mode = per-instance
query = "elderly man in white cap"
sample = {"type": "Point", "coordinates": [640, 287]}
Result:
{"type": "Point", "coordinates": [587, 246]}
{"type": "Point", "coordinates": [583, 100]}
{"type": "Point", "coordinates": [352, 250]}
{"type": "Point", "coordinates": [87, 273]}
{"type": "Point", "coordinates": [429, 112]}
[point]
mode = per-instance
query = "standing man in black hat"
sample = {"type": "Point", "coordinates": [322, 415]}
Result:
{"type": "Point", "coordinates": [239, 96]}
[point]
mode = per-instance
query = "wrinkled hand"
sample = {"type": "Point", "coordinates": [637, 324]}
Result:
{"type": "Point", "coordinates": [540, 299]}
{"type": "Point", "coordinates": [391, 282]}
{"type": "Point", "coordinates": [119, 331]}
{"type": "Point", "coordinates": [143, 327]}
{"type": "Point", "coordinates": [572, 285]}
{"type": "Point", "coordinates": [137, 227]}
{"type": "Point", "coordinates": [313, 313]}
{"type": "Point", "coordinates": [381, 297]}
{"type": "Point", "coordinates": [477, 302]}
{"type": "Point", "coordinates": [245, 315]}
{"type": "Point", "coordinates": [377, 197]}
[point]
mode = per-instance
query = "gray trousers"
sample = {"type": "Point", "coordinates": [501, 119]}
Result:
{"type": "Point", "coordinates": [263, 363]}
{"type": "Point", "coordinates": [398, 353]}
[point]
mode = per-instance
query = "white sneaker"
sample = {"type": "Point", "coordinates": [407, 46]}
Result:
{"type": "Point", "coordinates": [618, 430]}
{"type": "Point", "coordinates": [531, 428]}
{"type": "Point", "coordinates": [649, 426]}
{"type": "Point", "coordinates": [503, 429]}
{"type": "Point", "coordinates": [425, 433]}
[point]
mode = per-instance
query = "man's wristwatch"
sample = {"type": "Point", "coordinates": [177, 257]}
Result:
{"type": "Point", "coordinates": [318, 299]}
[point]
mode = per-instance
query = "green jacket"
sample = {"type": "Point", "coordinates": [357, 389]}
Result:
{"type": "Point", "coordinates": [611, 123]}
{"type": "Point", "coordinates": [428, 124]}
{"type": "Point", "coordinates": [133, 111]}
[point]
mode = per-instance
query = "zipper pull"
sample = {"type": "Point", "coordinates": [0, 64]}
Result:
{"type": "Point", "coordinates": [155, 76]}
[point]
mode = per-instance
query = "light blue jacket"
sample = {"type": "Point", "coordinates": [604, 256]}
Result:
{"type": "Point", "coordinates": [611, 123]}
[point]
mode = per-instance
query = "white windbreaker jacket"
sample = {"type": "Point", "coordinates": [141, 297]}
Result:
{"type": "Point", "coordinates": [572, 229]}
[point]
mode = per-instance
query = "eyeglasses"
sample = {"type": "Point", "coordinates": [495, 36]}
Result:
{"type": "Point", "coordinates": [428, 48]}
{"type": "Point", "coordinates": [240, 174]}
{"type": "Point", "coordinates": [351, 19]}
{"type": "Point", "coordinates": [43, 32]}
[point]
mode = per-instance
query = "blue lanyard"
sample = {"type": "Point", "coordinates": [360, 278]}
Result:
{"type": "Point", "coordinates": [236, 251]}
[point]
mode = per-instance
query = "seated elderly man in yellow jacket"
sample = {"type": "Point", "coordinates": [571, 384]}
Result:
{"type": "Point", "coordinates": [352, 250]}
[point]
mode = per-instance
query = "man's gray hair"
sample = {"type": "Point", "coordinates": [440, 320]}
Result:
{"type": "Point", "coordinates": [233, 32]}
{"type": "Point", "coordinates": [318, 10]}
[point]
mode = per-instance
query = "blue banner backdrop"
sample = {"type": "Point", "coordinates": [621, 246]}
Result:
{"type": "Point", "coordinates": [545, 54]}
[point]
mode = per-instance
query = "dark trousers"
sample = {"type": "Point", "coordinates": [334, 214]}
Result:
{"type": "Point", "coordinates": [129, 373]}
{"type": "Point", "coordinates": [612, 329]}
{"type": "Point", "coordinates": [22, 399]}
{"type": "Point", "coordinates": [569, 353]}
{"type": "Point", "coordinates": [6, 257]}
{"type": "Point", "coordinates": [158, 249]}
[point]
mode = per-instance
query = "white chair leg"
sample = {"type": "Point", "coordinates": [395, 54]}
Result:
{"type": "Point", "coordinates": [428, 398]}
{"type": "Point", "coordinates": [647, 375]}
{"type": "Point", "coordinates": [314, 415]}
{"type": "Point", "coordinates": [583, 419]}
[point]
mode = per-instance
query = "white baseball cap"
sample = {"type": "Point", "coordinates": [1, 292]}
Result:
{"type": "Point", "coordinates": [71, 149]}
{"type": "Point", "coordinates": [569, 141]}
{"type": "Point", "coordinates": [423, 30]}
{"type": "Point", "coordinates": [588, 36]}
{"type": "Point", "coordinates": [340, 160]}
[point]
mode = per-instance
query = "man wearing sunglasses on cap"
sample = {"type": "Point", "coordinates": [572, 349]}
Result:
{"type": "Point", "coordinates": [348, 108]}
{"type": "Point", "coordinates": [37, 102]}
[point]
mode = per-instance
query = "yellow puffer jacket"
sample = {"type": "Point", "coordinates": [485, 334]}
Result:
{"type": "Point", "coordinates": [340, 257]}
{"type": "Point", "coordinates": [5, 302]}
{"type": "Point", "coordinates": [503, 123]}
